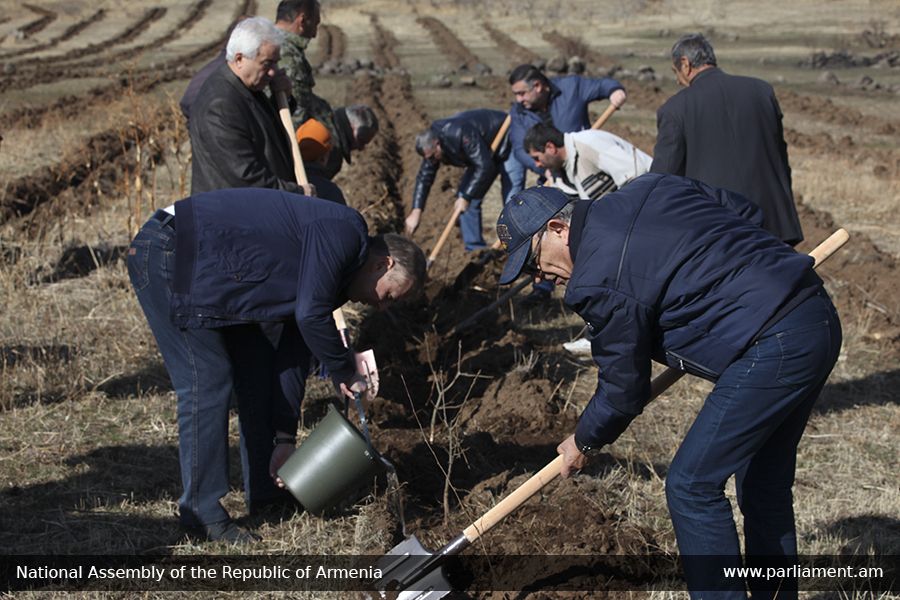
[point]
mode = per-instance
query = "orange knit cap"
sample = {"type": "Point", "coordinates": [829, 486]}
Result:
{"type": "Point", "coordinates": [314, 139]}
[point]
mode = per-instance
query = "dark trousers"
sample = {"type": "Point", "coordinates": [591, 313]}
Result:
{"type": "Point", "coordinates": [207, 367]}
{"type": "Point", "coordinates": [749, 427]}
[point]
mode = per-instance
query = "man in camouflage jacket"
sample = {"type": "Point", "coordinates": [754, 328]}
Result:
{"type": "Point", "coordinates": [299, 19]}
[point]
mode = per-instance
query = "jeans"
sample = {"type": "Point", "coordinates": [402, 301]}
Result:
{"type": "Point", "coordinates": [515, 171]}
{"type": "Point", "coordinates": [208, 366]}
{"type": "Point", "coordinates": [470, 220]}
{"type": "Point", "coordinates": [750, 426]}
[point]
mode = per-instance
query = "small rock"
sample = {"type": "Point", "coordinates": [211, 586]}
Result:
{"type": "Point", "coordinates": [441, 81]}
{"type": "Point", "coordinates": [864, 82]}
{"type": "Point", "coordinates": [557, 64]}
{"type": "Point", "coordinates": [576, 65]}
{"type": "Point", "coordinates": [366, 63]}
{"type": "Point", "coordinates": [828, 77]}
{"type": "Point", "coordinates": [467, 81]}
{"type": "Point", "coordinates": [540, 64]}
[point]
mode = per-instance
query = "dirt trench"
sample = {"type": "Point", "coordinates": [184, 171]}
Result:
{"type": "Point", "coordinates": [140, 81]}
{"type": "Point", "coordinates": [50, 70]}
{"type": "Point", "coordinates": [40, 63]}
{"type": "Point", "coordinates": [454, 50]}
{"type": "Point", "coordinates": [332, 44]}
{"type": "Point", "coordinates": [575, 47]}
{"type": "Point", "coordinates": [41, 23]}
{"type": "Point", "coordinates": [517, 53]}
{"type": "Point", "coordinates": [70, 32]}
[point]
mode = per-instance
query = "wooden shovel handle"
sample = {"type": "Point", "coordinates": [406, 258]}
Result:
{"type": "Point", "coordinates": [444, 235]}
{"type": "Point", "coordinates": [502, 132]}
{"type": "Point", "coordinates": [820, 253]}
{"type": "Point", "coordinates": [514, 500]}
{"type": "Point", "coordinates": [605, 116]}
{"type": "Point", "coordinates": [285, 114]}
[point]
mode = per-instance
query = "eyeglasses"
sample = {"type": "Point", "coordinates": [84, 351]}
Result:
{"type": "Point", "coordinates": [533, 265]}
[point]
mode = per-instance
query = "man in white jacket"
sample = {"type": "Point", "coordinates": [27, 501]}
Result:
{"type": "Point", "coordinates": [588, 164]}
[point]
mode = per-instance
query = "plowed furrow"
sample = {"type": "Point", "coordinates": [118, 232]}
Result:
{"type": "Point", "coordinates": [454, 50]}
{"type": "Point", "coordinates": [70, 32]}
{"type": "Point", "coordinates": [47, 17]}
{"type": "Point", "coordinates": [332, 44]}
{"type": "Point", "coordinates": [141, 81]}
{"type": "Point", "coordinates": [575, 47]}
{"type": "Point", "coordinates": [35, 63]}
{"type": "Point", "coordinates": [517, 53]}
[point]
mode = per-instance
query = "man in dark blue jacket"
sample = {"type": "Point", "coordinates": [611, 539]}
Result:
{"type": "Point", "coordinates": [561, 102]}
{"type": "Point", "coordinates": [463, 140]}
{"type": "Point", "coordinates": [672, 270]}
{"type": "Point", "coordinates": [208, 273]}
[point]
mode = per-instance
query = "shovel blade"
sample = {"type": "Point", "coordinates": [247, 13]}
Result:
{"type": "Point", "coordinates": [411, 561]}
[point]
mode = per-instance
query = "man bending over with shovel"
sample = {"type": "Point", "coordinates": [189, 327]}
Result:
{"type": "Point", "coordinates": [463, 140]}
{"type": "Point", "coordinates": [212, 268]}
{"type": "Point", "coordinates": [672, 270]}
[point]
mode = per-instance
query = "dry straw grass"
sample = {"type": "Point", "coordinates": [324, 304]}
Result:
{"type": "Point", "coordinates": [88, 443]}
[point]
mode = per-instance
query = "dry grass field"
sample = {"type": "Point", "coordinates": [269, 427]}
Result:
{"type": "Point", "coordinates": [93, 141]}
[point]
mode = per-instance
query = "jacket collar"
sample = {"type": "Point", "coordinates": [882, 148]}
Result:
{"type": "Point", "coordinates": [576, 226]}
{"type": "Point", "coordinates": [296, 40]}
{"type": "Point", "coordinates": [236, 82]}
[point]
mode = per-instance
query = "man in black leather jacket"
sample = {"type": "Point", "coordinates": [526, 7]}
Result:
{"type": "Point", "coordinates": [463, 140]}
{"type": "Point", "coordinates": [236, 138]}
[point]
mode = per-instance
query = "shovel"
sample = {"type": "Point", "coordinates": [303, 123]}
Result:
{"type": "Point", "coordinates": [411, 572]}
{"type": "Point", "coordinates": [365, 361]}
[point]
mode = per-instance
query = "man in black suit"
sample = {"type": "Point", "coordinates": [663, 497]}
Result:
{"type": "Point", "coordinates": [237, 139]}
{"type": "Point", "coordinates": [726, 131]}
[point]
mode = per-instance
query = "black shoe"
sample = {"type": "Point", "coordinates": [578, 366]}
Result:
{"type": "Point", "coordinates": [537, 297]}
{"type": "Point", "coordinates": [228, 531]}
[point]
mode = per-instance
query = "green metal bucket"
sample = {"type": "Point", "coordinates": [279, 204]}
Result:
{"type": "Point", "coordinates": [331, 463]}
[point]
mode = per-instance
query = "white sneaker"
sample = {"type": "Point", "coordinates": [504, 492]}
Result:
{"type": "Point", "coordinates": [580, 347]}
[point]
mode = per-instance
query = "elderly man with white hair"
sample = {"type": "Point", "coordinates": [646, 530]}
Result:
{"type": "Point", "coordinates": [236, 137]}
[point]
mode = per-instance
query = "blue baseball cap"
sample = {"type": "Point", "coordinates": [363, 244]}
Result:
{"type": "Point", "coordinates": [522, 217]}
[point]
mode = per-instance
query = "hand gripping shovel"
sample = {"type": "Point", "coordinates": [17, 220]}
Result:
{"type": "Point", "coordinates": [411, 572]}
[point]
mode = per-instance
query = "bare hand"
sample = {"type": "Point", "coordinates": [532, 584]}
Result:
{"type": "Point", "coordinates": [280, 82]}
{"type": "Point", "coordinates": [617, 98]}
{"type": "Point", "coordinates": [573, 459]}
{"type": "Point", "coordinates": [280, 454]}
{"type": "Point", "coordinates": [308, 189]}
{"type": "Point", "coordinates": [412, 221]}
{"type": "Point", "coordinates": [461, 204]}
{"type": "Point", "coordinates": [356, 385]}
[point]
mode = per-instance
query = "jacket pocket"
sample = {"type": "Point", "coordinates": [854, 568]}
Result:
{"type": "Point", "coordinates": [139, 264]}
{"type": "Point", "coordinates": [238, 268]}
{"type": "Point", "coordinates": [689, 366]}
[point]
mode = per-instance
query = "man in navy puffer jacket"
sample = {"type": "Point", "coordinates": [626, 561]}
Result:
{"type": "Point", "coordinates": [238, 287]}
{"type": "Point", "coordinates": [672, 270]}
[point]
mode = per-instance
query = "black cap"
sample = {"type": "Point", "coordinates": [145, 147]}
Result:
{"type": "Point", "coordinates": [522, 217]}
